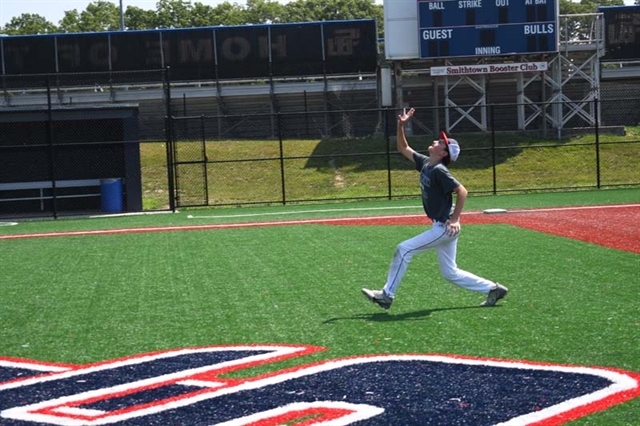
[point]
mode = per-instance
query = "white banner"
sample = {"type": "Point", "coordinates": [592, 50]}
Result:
{"type": "Point", "coordinates": [489, 68]}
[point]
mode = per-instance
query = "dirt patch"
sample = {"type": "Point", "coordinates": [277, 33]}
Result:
{"type": "Point", "coordinates": [609, 226]}
{"type": "Point", "coordinates": [338, 179]}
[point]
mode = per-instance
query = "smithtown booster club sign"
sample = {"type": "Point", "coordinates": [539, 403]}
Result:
{"type": "Point", "coordinates": [489, 69]}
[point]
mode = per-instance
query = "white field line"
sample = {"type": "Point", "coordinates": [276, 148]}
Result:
{"type": "Point", "coordinates": [560, 209]}
{"type": "Point", "coordinates": [550, 209]}
{"type": "Point", "coordinates": [281, 222]}
{"type": "Point", "coordinates": [196, 227]}
{"type": "Point", "coordinates": [304, 212]}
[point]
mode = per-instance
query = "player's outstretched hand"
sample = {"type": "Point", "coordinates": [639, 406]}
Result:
{"type": "Point", "coordinates": [406, 116]}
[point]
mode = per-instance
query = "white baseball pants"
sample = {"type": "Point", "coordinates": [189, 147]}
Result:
{"type": "Point", "coordinates": [446, 247]}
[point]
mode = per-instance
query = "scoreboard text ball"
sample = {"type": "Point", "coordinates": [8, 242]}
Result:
{"type": "Point", "coordinates": [487, 27]}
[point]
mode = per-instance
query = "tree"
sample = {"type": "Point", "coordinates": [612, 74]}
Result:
{"type": "Point", "coordinates": [329, 10]}
{"type": "Point", "coordinates": [229, 14]}
{"type": "Point", "coordinates": [98, 16]}
{"type": "Point", "coordinates": [70, 22]}
{"type": "Point", "coordinates": [28, 23]}
{"type": "Point", "coordinates": [264, 12]}
{"type": "Point", "coordinates": [136, 18]}
{"type": "Point", "coordinates": [202, 15]}
{"type": "Point", "coordinates": [173, 13]}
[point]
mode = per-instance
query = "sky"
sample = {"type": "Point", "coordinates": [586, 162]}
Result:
{"type": "Point", "coordinates": [53, 10]}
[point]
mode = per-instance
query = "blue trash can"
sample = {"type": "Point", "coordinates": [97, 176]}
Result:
{"type": "Point", "coordinates": [111, 195]}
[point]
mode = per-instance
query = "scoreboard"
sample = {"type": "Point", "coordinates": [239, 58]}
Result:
{"type": "Point", "coordinates": [452, 28]}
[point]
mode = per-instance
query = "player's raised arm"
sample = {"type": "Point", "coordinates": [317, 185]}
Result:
{"type": "Point", "coordinates": [403, 145]}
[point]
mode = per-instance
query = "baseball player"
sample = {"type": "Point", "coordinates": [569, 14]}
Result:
{"type": "Point", "coordinates": [437, 186]}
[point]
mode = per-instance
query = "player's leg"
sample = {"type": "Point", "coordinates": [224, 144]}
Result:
{"type": "Point", "coordinates": [446, 254]}
{"type": "Point", "coordinates": [428, 240]}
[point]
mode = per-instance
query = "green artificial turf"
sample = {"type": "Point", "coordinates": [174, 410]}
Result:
{"type": "Point", "coordinates": [82, 299]}
{"type": "Point", "coordinates": [411, 205]}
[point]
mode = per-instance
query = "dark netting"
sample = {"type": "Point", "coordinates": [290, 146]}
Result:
{"type": "Point", "coordinates": [350, 47]}
{"type": "Point", "coordinates": [28, 55]}
{"type": "Point", "coordinates": [190, 54]}
{"type": "Point", "coordinates": [138, 50]}
{"type": "Point", "coordinates": [622, 33]}
{"type": "Point", "coordinates": [242, 52]}
{"type": "Point", "coordinates": [83, 60]}
{"type": "Point", "coordinates": [83, 53]}
{"type": "Point", "coordinates": [616, 109]}
{"type": "Point", "coordinates": [296, 50]}
{"type": "Point", "coordinates": [227, 53]}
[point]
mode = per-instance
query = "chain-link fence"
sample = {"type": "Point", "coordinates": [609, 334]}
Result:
{"type": "Point", "coordinates": [357, 158]}
{"type": "Point", "coordinates": [117, 151]}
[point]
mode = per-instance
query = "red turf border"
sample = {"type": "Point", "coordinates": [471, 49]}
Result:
{"type": "Point", "coordinates": [613, 226]}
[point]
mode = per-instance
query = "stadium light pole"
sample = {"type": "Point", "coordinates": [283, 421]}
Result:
{"type": "Point", "coordinates": [121, 17]}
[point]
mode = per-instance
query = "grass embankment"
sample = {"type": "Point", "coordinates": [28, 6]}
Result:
{"type": "Point", "coordinates": [241, 172]}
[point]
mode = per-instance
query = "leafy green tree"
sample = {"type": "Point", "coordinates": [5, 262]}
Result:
{"type": "Point", "coordinates": [70, 22]}
{"type": "Point", "coordinates": [136, 18]}
{"type": "Point", "coordinates": [173, 13]}
{"type": "Point", "coordinates": [229, 14]}
{"type": "Point", "coordinates": [28, 23]}
{"type": "Point", "coordinates": [329, 10]}
{"type": "Point", "coordinates": [98, 16]}
{"type": "Point", "coordinates": [264, 12]}
{"type": "Point", "coordinates": [202, 15]}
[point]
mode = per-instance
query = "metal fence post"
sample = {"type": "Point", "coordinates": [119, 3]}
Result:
{"type": "Point", "coordinates": [205, 159]}
{"type": "Point", "coordinates": [597, 118]}
{"type": "Point", "coordinates": [170, 142]}
{"type": "Point", "coordinates": [282, 177]}
{"type": "Point", "coordinates": [52, 151]}
{"type": "Point", "coordinates": [493, 148]}
{"type": "Point", "coordinates": [306, 115]}
{"type": "Point", "coordinates": [385, 124]}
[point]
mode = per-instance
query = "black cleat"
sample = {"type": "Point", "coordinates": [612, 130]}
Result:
{"type": "Point", "coordinates": [378, 296]}
{"type": "Point", "coordinates": [494, 295]}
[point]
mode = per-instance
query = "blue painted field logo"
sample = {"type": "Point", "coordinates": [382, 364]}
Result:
{"type": "Point", "coordinates": [191, 387]}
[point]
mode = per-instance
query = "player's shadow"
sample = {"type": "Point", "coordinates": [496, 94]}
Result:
{"type": "Point", "coordinates": [406, 316]}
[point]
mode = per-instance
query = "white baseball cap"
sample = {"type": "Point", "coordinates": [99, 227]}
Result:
{"type": "Point", "coordinates": [452, 145]}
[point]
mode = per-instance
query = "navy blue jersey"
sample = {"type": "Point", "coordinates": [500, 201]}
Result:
{"type": "Point", "coordinates": [437, 185]}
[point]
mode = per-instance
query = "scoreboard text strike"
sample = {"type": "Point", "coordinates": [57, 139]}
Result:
{"type": "Point", "coordinates": [487, 27]}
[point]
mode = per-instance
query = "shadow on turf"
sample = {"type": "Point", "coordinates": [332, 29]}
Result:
{"type": "Point", "coordinates": [407, 316]}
